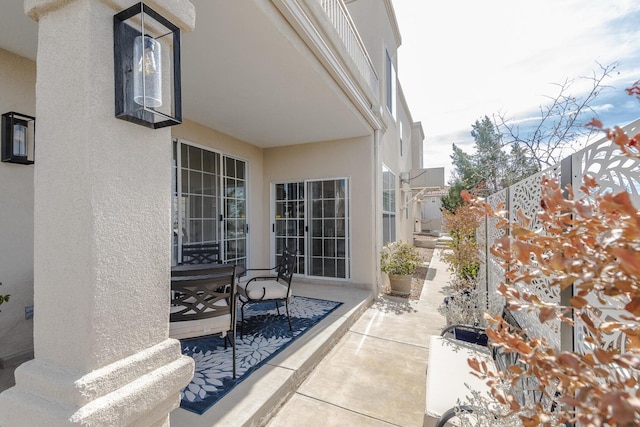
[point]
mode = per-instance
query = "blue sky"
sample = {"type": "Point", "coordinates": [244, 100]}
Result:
{"type": "Point", "coordinates": [465, 59]}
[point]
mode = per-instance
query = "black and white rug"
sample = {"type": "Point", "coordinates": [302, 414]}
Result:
{"type": "Point", "coordinates": [265, 335]}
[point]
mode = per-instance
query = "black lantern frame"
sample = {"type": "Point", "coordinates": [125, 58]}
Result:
{"type": "Point", "coordinates": [18, 138]}
{"type": "Point", "coordinates": [158, 43]}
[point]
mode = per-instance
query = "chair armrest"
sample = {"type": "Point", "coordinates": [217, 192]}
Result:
{"type": "Point", "coordinates": [452, 413]}
{"type": "Point", "coordinates": [249, 282]}
{"type": "Point", "coordinates": [262, 278]}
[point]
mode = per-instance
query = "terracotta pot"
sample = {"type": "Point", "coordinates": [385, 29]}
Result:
{"type": "Point", "coordinates": [400, 284]}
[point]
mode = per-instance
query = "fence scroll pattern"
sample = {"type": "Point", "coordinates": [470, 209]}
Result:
{"type": "Point", "coordinates": [492, 272]}
{"type": "Point", "coordinates": [522, 197]}
{"type": "Point", "coordinates": [614, 173]}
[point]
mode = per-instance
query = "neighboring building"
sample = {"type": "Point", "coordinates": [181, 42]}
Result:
{"type": "Point", "coordinates": [427, 188]}
{"type": "Point", "coordinates": [296, 133]}
{"type": "Point", "coordinates": [431, 220]}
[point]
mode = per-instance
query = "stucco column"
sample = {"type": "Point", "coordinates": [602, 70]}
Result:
{"type": "Point", "coordinates": [102, 237]}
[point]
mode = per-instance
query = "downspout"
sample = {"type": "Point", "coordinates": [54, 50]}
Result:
{"type": "Point", "coordinates": [378, 210]}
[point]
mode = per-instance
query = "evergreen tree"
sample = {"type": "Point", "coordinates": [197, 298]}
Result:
{"type": "Point", "coordinates": [489, 162]}
{"type": "Point", "coordinates": [489, 169]}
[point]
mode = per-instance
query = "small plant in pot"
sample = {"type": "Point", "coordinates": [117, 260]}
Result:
{"type": "Point", "coordinates": [465, 308]}
{"type": "Point", "coordinates": [400, 260]}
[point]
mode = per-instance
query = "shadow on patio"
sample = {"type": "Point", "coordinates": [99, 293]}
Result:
{"type": "Point", "coordinates": [257, 397]}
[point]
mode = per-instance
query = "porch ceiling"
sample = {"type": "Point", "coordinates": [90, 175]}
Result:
{"type": "Point", "coordinates": [245, 72]}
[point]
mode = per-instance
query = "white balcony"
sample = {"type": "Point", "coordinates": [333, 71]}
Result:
{"type": "Point", "coordinates": [270, 72]}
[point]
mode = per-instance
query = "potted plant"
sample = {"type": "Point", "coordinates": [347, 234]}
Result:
{"type": "Point", "coordinates": [465, 312]}
{"type": "Point", "coordinates": [399, 261]}
{"type": "Point", "coordinates": [464, 304]}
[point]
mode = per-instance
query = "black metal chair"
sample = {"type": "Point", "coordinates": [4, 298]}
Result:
{"type": "Point", "coordinates": [200, 253]}
{"type": "Point", "coordinates": [203, 302]}
{"type": "Point", "coordinates": [276, 288]}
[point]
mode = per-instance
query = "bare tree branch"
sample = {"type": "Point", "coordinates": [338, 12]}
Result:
{"type": "Point", "coordinates": [560, 126]}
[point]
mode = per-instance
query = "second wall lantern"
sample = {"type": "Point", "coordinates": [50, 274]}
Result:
{"type": "Point", "coordinates": [18, 138]}
{"type": "Point", "coordinates": [147, 68]}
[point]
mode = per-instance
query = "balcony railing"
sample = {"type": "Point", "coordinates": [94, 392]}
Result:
{"type": "Point", "coordinates": [341, 20]}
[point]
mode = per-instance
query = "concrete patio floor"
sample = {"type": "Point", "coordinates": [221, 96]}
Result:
{"type": "Point", "coordinates": [363, 365]}
{"type": "Point", "coordinates": [376, 374]}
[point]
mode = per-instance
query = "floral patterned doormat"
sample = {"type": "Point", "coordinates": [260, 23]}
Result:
{"type": "Point", "coordinates": [265, 335]}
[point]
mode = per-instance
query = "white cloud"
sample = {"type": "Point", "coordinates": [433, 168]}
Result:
{"type": "Point", "coordinates": [465, 59]}
{"type": "Point", "coordinates": [603, 108]}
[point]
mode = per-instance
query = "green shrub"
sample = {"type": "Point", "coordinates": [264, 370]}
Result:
{"type": "Point", "coordinates": [399, 259]}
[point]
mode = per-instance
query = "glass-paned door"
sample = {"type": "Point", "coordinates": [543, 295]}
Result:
{"type": "Point", "coordinates": [289, 222]}
{"type": "Point", "coordinates": [235, 215]}
{"type": "Point", "coordinates": [328, 228]}
{"type": "Point", "coordinates": [312, 218]}
{"type": "Point", "coordinates": [209, 202]}
{"type": "Point", "coordinates": [196, 197]}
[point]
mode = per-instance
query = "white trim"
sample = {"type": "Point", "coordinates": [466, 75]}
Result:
{"type": "Point", "coordinates": [393, 212]}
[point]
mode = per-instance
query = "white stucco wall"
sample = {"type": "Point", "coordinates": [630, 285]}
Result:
{"type": "Point", "coordinates": [377, 27]}
{"type": "Point", "coordinates": [17, 93]}
{"type": "Point", "coordinates": [351, 158]}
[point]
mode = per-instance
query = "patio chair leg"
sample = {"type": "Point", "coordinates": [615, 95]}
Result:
{"type": "Point", "coordinates": [241, 321]}
{"type": "Point", "coordinates": [233, 350]}
{"type": "Point", "coordinates": [278, 308]}
{"type": "Point", "coordinates": [288, 317]}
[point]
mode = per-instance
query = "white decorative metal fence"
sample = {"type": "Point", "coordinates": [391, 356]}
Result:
{"type": "Point", "coordinates": [614, 172]}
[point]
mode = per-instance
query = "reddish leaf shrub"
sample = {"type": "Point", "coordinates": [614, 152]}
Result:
{"type": "Point", "coordinates": [593, 244]}
{"type": "Point", "coordinates": [463, 258]}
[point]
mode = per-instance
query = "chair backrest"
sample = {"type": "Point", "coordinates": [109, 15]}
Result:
{"type": "Point", "coordinates": [200, 253]}
{"type": "Point", "coordinates": [202, 293]}
{"type": "Point", "coordinates": [286, 266]}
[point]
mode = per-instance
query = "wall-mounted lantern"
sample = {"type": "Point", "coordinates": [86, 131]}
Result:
{"type": "Point", "coordinates": [18, 138]}
{"type": "Point", "coordinates": [146, 50]}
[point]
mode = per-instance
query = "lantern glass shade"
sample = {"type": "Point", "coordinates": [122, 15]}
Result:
{"type": "Point", "coordinates": [18, 138]}
{"type": "Point", "coordinates": [147, 75]}
{"type": "Point", "coordinates": [147, 68]}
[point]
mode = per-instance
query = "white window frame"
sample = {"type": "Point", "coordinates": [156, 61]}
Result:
{"type": "Point", "coordinates": [388, 209]}
{"type": "Point", "coordinates": [307, 201]}
{"type": "Point", "coordinates": [177, 182]}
